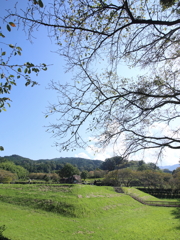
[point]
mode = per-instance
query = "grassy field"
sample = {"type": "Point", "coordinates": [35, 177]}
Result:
{"type": "Point", "coordinates": [60, 212]}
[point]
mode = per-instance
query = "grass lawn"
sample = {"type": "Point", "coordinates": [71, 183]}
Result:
{"type": "Point", "coordinates": [58, 212]}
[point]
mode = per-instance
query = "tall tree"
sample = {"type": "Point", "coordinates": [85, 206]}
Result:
{"type": "Point", "coordinates": [142, 33]}
{"type": "Point", "coordinates": [68, 170]}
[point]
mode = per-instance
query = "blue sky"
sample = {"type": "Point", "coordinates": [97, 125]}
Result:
{"type": "Point", "coordinates": [22, 126]}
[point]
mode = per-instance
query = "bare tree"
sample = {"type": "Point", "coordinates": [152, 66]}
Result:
{"type": "Point", "coordinates": [118, 107]}
{"type": "Point", "coordinates": [142, 33]}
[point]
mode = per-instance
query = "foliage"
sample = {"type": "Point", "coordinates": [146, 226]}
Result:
{"type": "Point", "coordinates": [43, 176]}
{"type": "Point", "coordinates": [97, 173]}
{"type": "Point", "coordinates": [167, 3]}
{"type": "Point", "coordinates": [10, 166]}
{"type": "Point", "coordinates": [114, 163]}
{"type": "Point", "coordinates": [68, 170]}
{"type": "Point", "coordinates": [50, 165]}
{"type": "Point", "coordinates": [11, 72]}
{"type": "Point", "coordinates": [175, 181]}
{"type": "Point", "coordinates": [118, 162]}
{"type": "Point", "coordinates": [84, 175]}
{"type": "Point", "coordinates": [120, 177]}
{"type": "Point", "coordinates": [147, 178]}
{"type": "Point", "coordinates": [7, 176]}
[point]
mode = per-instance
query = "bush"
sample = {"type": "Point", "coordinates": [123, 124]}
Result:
{"type": "Point", "coordinates": [7, 176]}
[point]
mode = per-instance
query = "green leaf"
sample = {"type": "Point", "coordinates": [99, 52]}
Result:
{"type": "Point", "coordinates": [19, 48]}
{"type": "Point", "coordinates": [3, 53]}
{"type": "Point", "coordinates": [40, 3]}
{"type": "Point", "coordinates": [19, 70]}
{"type": "Point", "coordinates": [8, 27]}
{"type": "Point", "coordinates": [13, 82]}
{"type": "Point", "coordinates": [1, 148]}
{"type": "Point", "coordinates": [1, 35]}
{"type": "Point", "coordinates": [27, 83]}
{"type": "Point", "coordinates": [19, 53]}
{"type": "Point", "coordinates": [11, 46]}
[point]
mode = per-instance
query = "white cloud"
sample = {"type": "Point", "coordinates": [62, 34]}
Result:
{"type": "Point", "coordinates": [94, 152]}
{"type": "Point", "coordinates": [170, 156]}
{"type": "Point", "coordinates": [82, 155]}
{"type": "Point", "coordinates": [162, 129]}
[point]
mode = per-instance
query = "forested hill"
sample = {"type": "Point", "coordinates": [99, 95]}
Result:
{"type": "Point", "coordinates": [48, 165]}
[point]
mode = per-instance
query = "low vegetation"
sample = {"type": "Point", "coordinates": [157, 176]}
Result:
{"type": "Point", "coordinates": [81, 212]}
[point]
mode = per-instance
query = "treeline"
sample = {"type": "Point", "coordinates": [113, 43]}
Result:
{"type": "Point", "coordinates": [146, 178]}
{"type": "Point", "coordinates": [56, 164]}
{"type": "Point", "coordinates": [47, 166]}
{"type": "Point", "coordinates": [115, 171]}
{"type": "Point", "coordinates": [118, 162]}
{"type": "Point", "coordinates": [9, 172]}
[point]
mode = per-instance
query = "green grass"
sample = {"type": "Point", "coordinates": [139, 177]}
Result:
{"type": "Point", "coordinates": [89, 212]}
{"type": "Point", "coordinates": [140, 194]}
{"type": "Point", "coordinates": [145, 196]}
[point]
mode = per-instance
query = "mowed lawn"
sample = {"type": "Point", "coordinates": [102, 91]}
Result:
{"type": "Point", "coordinates": [57, 212]}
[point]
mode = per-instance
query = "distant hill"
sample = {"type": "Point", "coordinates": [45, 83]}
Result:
{"type": "Point", "coordinates": [48, 165]}
{"type": "Point", "coordinates": [170, 167]}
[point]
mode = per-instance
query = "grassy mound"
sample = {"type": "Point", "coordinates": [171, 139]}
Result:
{"type": "Point", "coordinates": [67, 200]}
{"type": "Point", "coordinates": [89, 212]}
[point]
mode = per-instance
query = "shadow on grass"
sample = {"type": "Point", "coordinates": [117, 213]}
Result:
{"type": "Point", "coordinates": [63, 208]}
{"type": "Point", "coordinates": [176, 211]}
{"type": "Point", "coordinates": [2, 229]}
{"type": "Point", "coordinates": [176, 214]}
{"type": "Point", "coordinates": [4, 238]}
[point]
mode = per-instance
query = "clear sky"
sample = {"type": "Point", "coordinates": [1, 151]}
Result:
{"type": "Point", "coordinates": [22, 126]}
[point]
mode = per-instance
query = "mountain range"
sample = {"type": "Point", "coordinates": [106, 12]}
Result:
{"type": "Point", "coordinates": [170, 167]}
{"type": "Point", "coordinates": [48, 165]}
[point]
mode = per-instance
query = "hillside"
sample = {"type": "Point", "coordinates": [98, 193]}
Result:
{"type": "Point", "coordinates": [48, 165]}
{"type": "Point", "coordinates": [82, 212]}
